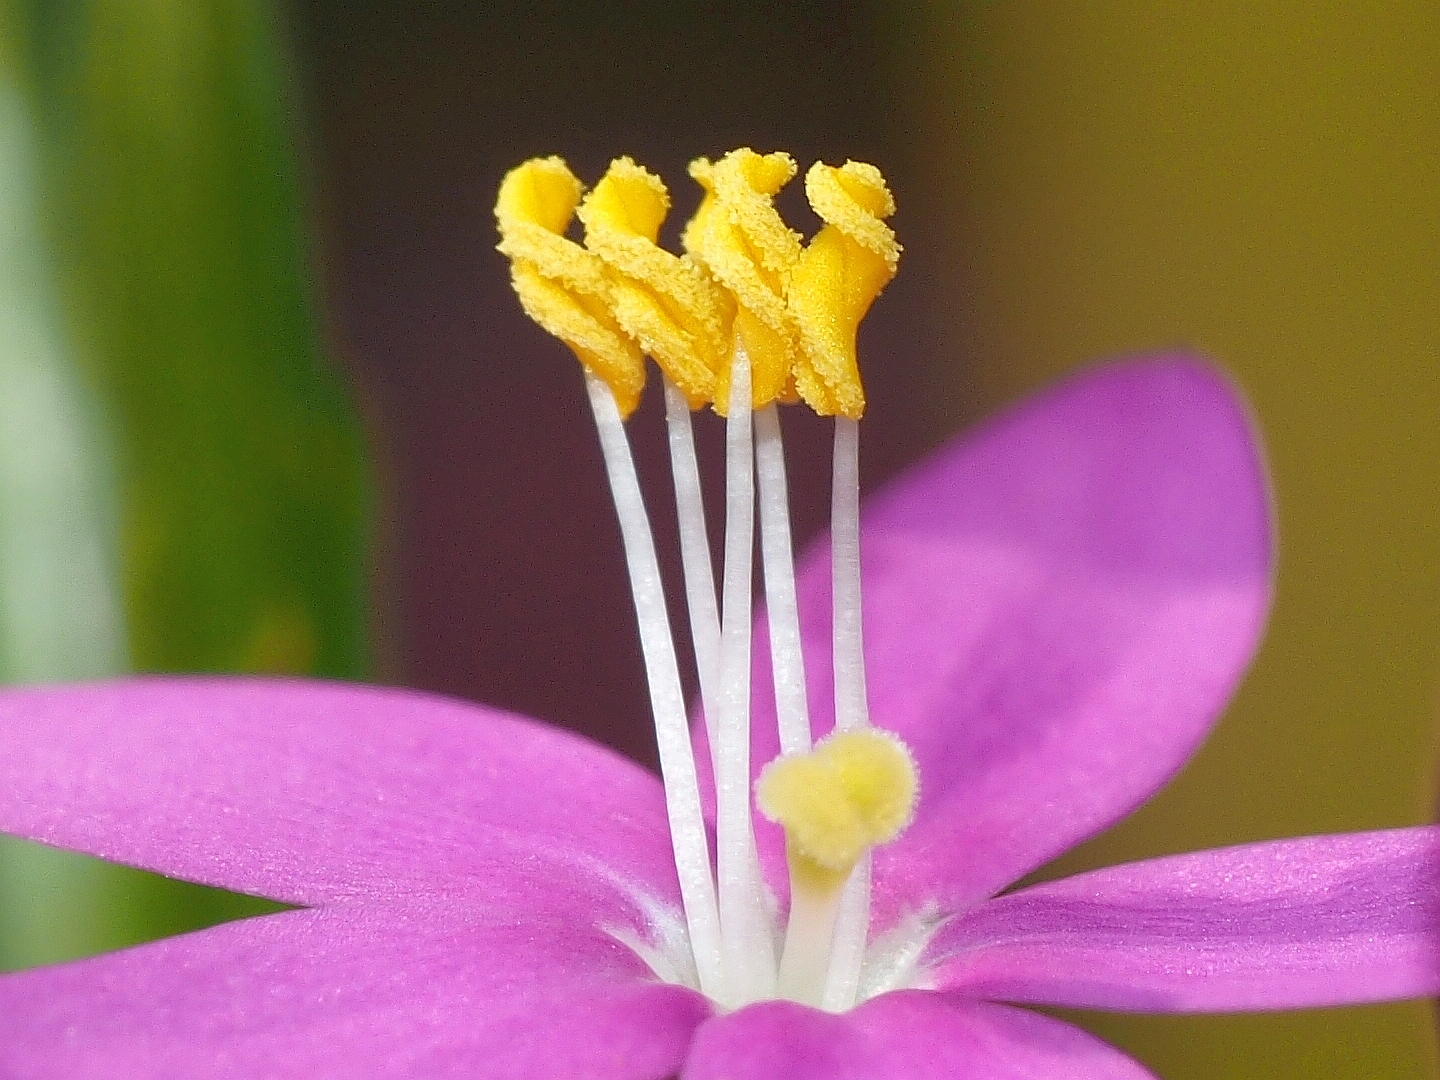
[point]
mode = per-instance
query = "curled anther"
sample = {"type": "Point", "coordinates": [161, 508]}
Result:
{"type": "Point", "coordinates": [835, 280]}
{"type": "Point", "coordinates": [562, 286]}
{"type": "Point", "coordinates": [740, 239]}
{"type": "Point", "coordinates": [663, 301]}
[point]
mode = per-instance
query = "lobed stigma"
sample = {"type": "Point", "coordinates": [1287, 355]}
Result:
{"type": "Point", "coordinates": [855, 790]}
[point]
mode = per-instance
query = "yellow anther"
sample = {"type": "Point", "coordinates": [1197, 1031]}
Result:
{"type": "Point", "coordinates": [856, 789]}
{"type": "Point", "coordinates": [663, 301]}
{"type": "Point", "coordinates": [739, 237]}
{"type": "Point", "coordinates": [562, 286]}
{"type": "Point", "coordinates": [837, 278]}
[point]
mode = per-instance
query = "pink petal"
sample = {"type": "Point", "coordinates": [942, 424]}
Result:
{"type": "Point", "coordinates": [1057, 608]}
{"type": "Point", "coordinates": [312, 793]}
{"type": "Point", "coordinates": [914, 1035]}
{"type": "Point", "coordinates": [1324, 920]}
{"type": "Point", "coordinates": [315, 995]}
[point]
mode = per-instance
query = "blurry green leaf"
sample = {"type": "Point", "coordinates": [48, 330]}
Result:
{"type": "Point", "coordinates": [59, 587]}
{"type": "Point", "coordinates": [169, 430]}
{"type": "Point", "coordinates": [49, 919]}
{"type": "Point", "coordinates": [59, 610]}
{"type": "Point", "coordinates": [175, 201]}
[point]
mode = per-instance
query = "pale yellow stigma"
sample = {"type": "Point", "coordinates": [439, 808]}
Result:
{"type": "Point", "coordinates": [856, 789]}
{"type": "Point", "coordinates": [837, 278]}
{"type": "Point", "coordinates": [740, 238]}
{"type": "Point", "coordinates": [562, 286]}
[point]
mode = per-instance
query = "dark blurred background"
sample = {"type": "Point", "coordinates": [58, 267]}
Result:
{"type": "Point", "coordinates": [503, 565]}
{"type": "Point", "coordinates": [268, 404]}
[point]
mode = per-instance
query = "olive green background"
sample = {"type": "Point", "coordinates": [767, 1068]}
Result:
{"type": "Point", "coordinates": [1262, 182]}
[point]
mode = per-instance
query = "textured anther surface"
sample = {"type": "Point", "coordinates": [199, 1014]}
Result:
{"type": "Point", "coordinates": [837, 278]}
{"type": "Point", "coordinates": [665, 302]}
{"type": "Point", "coordinates": [563, 287]}
{"type": "Point", "coordinates": [738, 236]}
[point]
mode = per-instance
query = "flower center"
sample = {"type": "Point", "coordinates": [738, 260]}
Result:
{"type": "Point", "coordinates": [746, 318]}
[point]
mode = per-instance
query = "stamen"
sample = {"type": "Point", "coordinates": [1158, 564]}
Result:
{"type": "Point", "coordinates": [745, 924]}
{"type": "Point", "coordinates": [672, 732]}
{"type": "Point", "coordinates": [696, 558]}
{"type": "Point", "coordinates": [738, 236]}
{"type": "Point", "coordinates": [786, 659]}
{"type": "Point", "coordinates": [682, 319]}
{"type": "Point", "coordinates": [563, 287]}
{"type": "Point", "coordinates": [852, 707]}
{"type": "Point", "coordinates": [833, 284]}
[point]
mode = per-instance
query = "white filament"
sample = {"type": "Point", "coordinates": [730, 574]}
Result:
{"type": "Point", "coordinates": [730, 928]}
{"type": "Point", "coordinates": [695, 555]}
{"type": "Point", "coordinates": [672, 733]}
{"type": "Point", "coordinates": [852, 708]}
{"type": "Point", "coordinates": [745, 923]}
{"type": "Point", "coordinates": [782, 611]}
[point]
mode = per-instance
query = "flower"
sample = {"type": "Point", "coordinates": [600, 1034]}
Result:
{"type": "Point", "coordinates": [1057, 609]}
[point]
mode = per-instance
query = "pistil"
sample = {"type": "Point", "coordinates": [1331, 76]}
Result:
{"type": "Point", "coordinates": [856, 789]}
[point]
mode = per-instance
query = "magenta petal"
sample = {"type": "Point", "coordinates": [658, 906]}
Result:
{"type": "Point", "coordinates": [1057, 608]}
{"type": "Point", "coordinates": [911, 1034]}
{"type": "Point", "coordinates": [311, 793]}
{"type": "Point", "coordinates": [1324, 920]}
{"type": "Point", "coordinates": [316, 995]}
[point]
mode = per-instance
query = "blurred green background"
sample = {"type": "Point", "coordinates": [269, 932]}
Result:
{"type": "Point", "coordinates": [182, 478]}
{"type": "Point", "coordinates": [1261, 181]}
{"type": "Point", "coordinates": [227, 226]}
